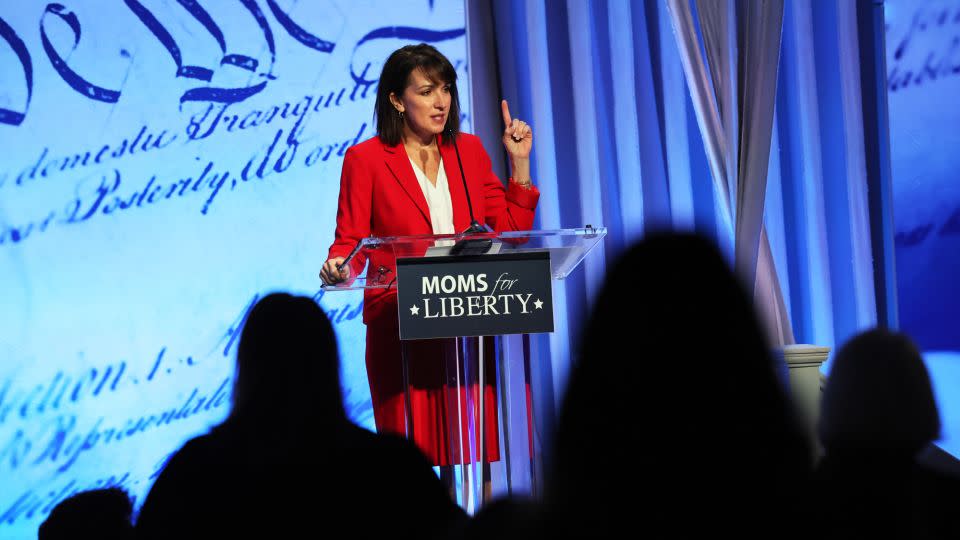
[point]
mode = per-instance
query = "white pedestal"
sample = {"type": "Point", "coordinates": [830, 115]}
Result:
{"type": "Point", "coordinates": [803, 362]}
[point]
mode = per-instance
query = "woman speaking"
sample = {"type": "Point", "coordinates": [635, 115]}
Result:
{"type": "Point", "coordinates": [407, 181]}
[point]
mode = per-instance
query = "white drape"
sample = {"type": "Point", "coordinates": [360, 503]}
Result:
{"type": "Point", "coordinates": [734, 93]}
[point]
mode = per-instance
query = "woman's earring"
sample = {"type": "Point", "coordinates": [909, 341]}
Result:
{"type": "Point", "coordinates": [401, 114]}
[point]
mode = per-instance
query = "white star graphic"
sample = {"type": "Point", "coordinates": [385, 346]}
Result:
{"type": "Point", "coordinates": [414, 310]}
{"type": "Point", "coordinates": [538, 304]}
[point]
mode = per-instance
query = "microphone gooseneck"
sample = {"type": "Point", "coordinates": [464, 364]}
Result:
{"type": "Point", "coordinates": [475, 226]}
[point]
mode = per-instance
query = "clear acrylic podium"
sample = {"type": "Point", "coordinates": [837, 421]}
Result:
{"type": "Point", "coordinates": [462, 367]}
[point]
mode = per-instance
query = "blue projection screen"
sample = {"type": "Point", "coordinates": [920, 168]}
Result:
{"type": "Point", "coordinates": [923, 82]}
{"type": "Point", "coordinates": [162, 165]}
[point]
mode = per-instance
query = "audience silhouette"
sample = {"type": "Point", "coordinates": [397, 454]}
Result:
{"type": "Point", "coordinates": [103, 514]}
{"type": "Point", "coordinates": [675, 422]}
{"type": "Point", "coordinates": [505, 518]}
{"type": "Point", "coordinates": [878, 412]}
{"type": "Point", "coordinates": [287, 461]}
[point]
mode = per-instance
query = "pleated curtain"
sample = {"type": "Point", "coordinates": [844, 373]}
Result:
{"type": "Point", "coordinates": [741, 120]}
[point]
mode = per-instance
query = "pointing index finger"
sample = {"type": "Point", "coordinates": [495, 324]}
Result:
{"type": "Point", "coordinates": [506, 113]}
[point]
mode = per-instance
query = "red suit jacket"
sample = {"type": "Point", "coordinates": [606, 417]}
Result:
{"type": "Point", "coordinates": [380, 196]}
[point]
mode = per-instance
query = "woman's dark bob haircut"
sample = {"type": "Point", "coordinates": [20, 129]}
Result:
{"type": "Point", "coordinates": [394, 79]}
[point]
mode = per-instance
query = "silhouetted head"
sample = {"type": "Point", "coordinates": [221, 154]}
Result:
{"type": "Point", "coordinates": [675, 394]}
{"type": "Point", "coordinates": [287, 364]}
{"type": "Point", "coordinates": [878, 397]}
{"type": "Point", "coordinates": [102, 514]}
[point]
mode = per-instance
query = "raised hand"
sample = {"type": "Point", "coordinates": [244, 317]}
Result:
{"type": "Point", "coordinates": [517, 135]}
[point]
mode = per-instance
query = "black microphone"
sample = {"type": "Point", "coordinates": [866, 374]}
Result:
{"type": "Point", "coordinates": [475, 226]}
{"type": "Point", "coordinates": [469, 246]}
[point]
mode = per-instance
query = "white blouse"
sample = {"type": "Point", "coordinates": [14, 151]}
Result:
{"type": "Point", "coordinates": [438, 199]}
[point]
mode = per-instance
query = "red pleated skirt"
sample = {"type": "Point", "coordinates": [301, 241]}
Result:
{"type": "Point", "coordinates": [436, 395]}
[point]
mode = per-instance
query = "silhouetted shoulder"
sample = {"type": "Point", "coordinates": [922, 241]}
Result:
{"type": "Point", "coordinates": [395, 470]}
{"type": "Point", "coordinates": [99, 513]}
{"type": "Point", "coordinates": [174, 500]}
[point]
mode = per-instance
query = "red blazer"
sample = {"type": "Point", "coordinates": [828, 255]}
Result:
{"type": "Point", "coordinates": [380, 196]}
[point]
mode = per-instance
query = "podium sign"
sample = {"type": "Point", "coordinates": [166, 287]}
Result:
{"type": "Point", "coordinates": [481, 295]}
